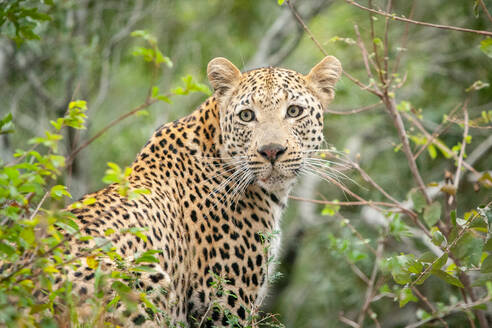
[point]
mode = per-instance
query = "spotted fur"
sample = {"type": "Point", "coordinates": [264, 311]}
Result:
{"type": "Point", "coordinates": [213, 194]}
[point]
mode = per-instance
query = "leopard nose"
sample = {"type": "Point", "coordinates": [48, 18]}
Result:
{"type": "Point", "coordinates": [272, 151]}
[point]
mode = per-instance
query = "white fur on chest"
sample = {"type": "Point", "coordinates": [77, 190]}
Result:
{"type": "Point", "coordinates": [273, 247]}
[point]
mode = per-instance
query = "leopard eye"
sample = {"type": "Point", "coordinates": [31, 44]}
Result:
{"type": "Point", "coordinates": [247, 115]}
{"type": "Point", "coordinates": [294, 111]}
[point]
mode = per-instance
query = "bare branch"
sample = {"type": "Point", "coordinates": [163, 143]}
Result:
{"type": "Point", "coordinates": [402, 133]}
{"type": "Point", "coordinates": [353, 111]}
{"type": "Point", "coordinates": [463, 146]}
{"type": "Point", "coordinates": [320, 47]}
{"type": "Point", "coordinates": [284, 35]}
{"type": "Point", "coordinates": [485, 10]}
{"type": "Point", "coordinates": [148, 102]}
{"type": "Point", "coordinates": [370, 287]}
{"type": "Point", "coordinates": [407, 20]}
{"type": "Point", "coordinates": [347, 321]}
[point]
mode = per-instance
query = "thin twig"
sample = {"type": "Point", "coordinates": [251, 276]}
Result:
{"type": "Point", "coordinates": [148, 102]}
{"type": "Point", "coordinates": [485, 10]}
{"type": "Point", "coordinates": [39, 205]}
{"type": "Point", "coordinates": [385, 43]}
{"type": "Point", "coordinates": [402, 133]}
{"type": "Point", "coordinates": [446, 250]}
{"type": "Point", "coordinates": [463, 146]}
{"type": "Point", "coordinates": [355, 203]}
{"type": "Point", "coordinates": [320, 47]}
{"type": "Point", "coordinates": [353, 111]}
{"type": "Point", "coordinates": [429, 304]}
{"type": "Point", "coordinates": [459, 307]}
{"type": "Point", "coordinates": [375, 47]}
{"type": "Point", "coordinates": [347, 321]}
{"type": "Point", "coordinates": [365, 55]}
{"type": "Point", "coordinates": [358, 273]}
{"type": "Point", "coordinates": [359, 236]}
{"type": "Point", "coordinates": [419, 126]}
{"type": "Point", "coordinates": [403, 43]}
{"type": "Point", "coordinates": [370, 287]}
{"type": "Point", "coordinates": [437, 132]}
{"type": "Point", "coordinates": [403, 19]}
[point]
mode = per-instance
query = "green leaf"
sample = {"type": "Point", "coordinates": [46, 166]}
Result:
{"type": "Point", "coordinates": [486, 47]}
{"type": "Point", "coordinates": [108, 232]}
{"type": "Point", "coordinates": [164, 99]}
{"type": "Point", "coordinates": [440, 262]}
{"type": "Point", "coordinates": [488, 245]}
{"type": "Point", "coordinates": [148, 256]}
{"type": "Point", "coordinates": [418, 200]}
{"type": "Point", "coordinates": [142, 112]}
{"type": "Point", "coordinates": [120, 287]}
{"type": "Point", "coordinates": [6, 249]}
{"type": "Point", "coordinates": [330, 209]}
{"type": "Point", "coordinates": [59, 191]}
{"type": "Point", "coordinates": [468, 249]}
{"type": "Point", "coordinates": [280, 2]}
{"type": "Point", "coordinates": [404, 106]}
{"type": "Point", "coordinates": [432, 151]}
{"type": "Point", "coordinates": [6, 124]}
{"type": "Point", "coordinates": [438, 238]}
{"type": "Point", "coordinates": [486, 265]}
{"type": "Point", "coordinates": [378, 42]}
{"type": "Point", "coordinates": [428, 257]}
{"type": "Point", "coordinates": [406, 296]}
{"type": "Point", "coordinates": [447, 278]}
{"type": "Point", "coordinates": [27, 234]}
{"type": "Point", "coordinates": [477, 85]}
{"type": "Point", "coordinates": [432, 213]}
{"type": "Point", "coordinates": [453, 217]}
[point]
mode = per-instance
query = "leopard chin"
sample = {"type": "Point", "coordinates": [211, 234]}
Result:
{"type": "Point", "coordinates": [276, 181]}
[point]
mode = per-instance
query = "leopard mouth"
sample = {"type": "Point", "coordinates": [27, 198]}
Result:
{"type": "Point", "coordinates": [274, 177]}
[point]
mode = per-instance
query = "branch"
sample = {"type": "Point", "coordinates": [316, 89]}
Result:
{"type": "Point", "coordinates": [355, 203]}
{"type": "Point", "coordinates": [284, 35]}
{"type": "Point", "coordinates": [485, 10]}
{"type": "Point", "coordinates": [320, 47]}
{"type": "Point", "coordinates": [353, 111]}
{"type": "Point", "coordinates": [370, 287]}
{"type": "Point", "coordinates": [402, 133]}
{"type": "Point", "coordinates": [419, 126]}
{"type": "Point", "coordinates": [148, 102]}
{"type": "Point", "coordinates": [459, 307]}
{"type": "Point", "coordinates": [463, 146]}
{"type": "Point", "coordinates": [441, 128]}
{"type": "Point", "coordinates": [407, 20]}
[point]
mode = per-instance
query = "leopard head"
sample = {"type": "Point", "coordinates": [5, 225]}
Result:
{"type": "Point", "coordinates": [271, 118]}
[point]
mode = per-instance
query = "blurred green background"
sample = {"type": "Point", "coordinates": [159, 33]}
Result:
{"type": "Point", "coordinates": [85, 52]}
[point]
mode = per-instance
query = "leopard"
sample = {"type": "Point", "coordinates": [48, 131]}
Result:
{"type": "Point", "coordinates": [217, 183]}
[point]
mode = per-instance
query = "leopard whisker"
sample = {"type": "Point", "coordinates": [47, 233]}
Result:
{"type": "Point", "coordinates": [241, 187]}
{"type": "Point", "coordinates": [233, 178]}
{"type": "Point", "coordinates": [329, 169]}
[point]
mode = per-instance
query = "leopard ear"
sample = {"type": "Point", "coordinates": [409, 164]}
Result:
{"type": "Point", "coordinates": [323, 77]}
{"type": "Point", "coordinates": [222, 74]}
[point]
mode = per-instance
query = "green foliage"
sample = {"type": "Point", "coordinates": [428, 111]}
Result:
{"type": "Point", "coordinates": [19, 18]}
{"type": "Point", "coordinates": [6, 125]}
{"type": "Point", "coordinates": [486, 46]}
{"type": "Point", "coordinates": [152, 54]}
{"type": "Point", "coordinates": [191, 86]}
